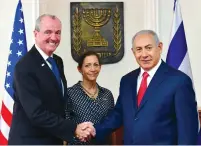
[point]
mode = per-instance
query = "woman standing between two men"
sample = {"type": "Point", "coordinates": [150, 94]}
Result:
{"type": "Point", "coordinates": [87, 100]}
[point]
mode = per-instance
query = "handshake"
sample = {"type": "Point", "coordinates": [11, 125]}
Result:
{"type": "Point", "coordinates": [85, 131]}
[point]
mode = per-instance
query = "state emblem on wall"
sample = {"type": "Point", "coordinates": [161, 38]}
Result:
{"type": "Point", "coordinates": [99, 27]}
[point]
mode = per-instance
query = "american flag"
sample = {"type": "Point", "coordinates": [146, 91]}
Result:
{"type": "Point", "coordinates": [18, 47]}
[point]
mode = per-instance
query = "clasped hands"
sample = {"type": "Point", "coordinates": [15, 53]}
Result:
{"type": "Point", "coordinates": [85, 131]}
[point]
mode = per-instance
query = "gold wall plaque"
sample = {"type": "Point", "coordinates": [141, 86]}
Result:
{"type": "Point", "coordinates": [99, 27]}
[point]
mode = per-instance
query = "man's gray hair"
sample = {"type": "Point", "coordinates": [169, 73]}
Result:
{"type": "Point", "coordinates": [38, 21]}
{"type": "Point", "coordinates": [155, 36]}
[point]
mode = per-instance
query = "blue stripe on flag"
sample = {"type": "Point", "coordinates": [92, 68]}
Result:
{"type": "Point", "coordinates": [178, 48]}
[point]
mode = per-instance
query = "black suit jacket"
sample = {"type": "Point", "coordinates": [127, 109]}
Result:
{"type": "Point", "coordinates": [38, 113]}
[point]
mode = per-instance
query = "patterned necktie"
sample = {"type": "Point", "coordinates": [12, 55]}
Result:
{"type": "Point", "coordinates": [143, 87]}
{"type": "Point", "coordinates": [55, 70]}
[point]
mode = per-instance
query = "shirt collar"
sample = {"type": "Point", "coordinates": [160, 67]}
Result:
{"type": "Point", "coordinates": [99, 87]}
{"type": "Point", "coordinates": [45, 56]}
{"type": "Point", "coordinates": [152, 71]}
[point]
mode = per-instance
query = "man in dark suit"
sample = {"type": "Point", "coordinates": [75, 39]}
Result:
{"type": "Point", "coordinates": [40, 92]}
{"type": "Point", "coordinates": [156, 104]}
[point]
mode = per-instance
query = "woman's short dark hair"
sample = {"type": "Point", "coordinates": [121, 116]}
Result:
{"type": "Point", "coordinates": [86, 54]}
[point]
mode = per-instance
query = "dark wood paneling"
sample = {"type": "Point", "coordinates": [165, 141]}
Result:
{"type": "Point", "coordinates": [117, 137]}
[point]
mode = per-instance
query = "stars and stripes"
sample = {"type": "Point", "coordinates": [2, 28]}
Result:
{"type": "Point", "coordinates": [18, 48]}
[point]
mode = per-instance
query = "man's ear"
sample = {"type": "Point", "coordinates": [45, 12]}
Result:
{"type": "Point", "coordinates": [35, 33]}
{"type": "Point", "coordinates": [160, 46]}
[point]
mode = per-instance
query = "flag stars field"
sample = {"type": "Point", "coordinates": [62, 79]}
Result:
{"type": "Point", "coordinates": [21, 31]}
{"type": "Point", "coordinates": [20, 42]}
{"type": "Point", "coordinates": [18, 47]}
{"type": "Point", "coordinates": [19, 53]}
{"type": "Point", "coordinates": [8, 74]}
{"type": "Point", "coordinates": [7, 85]}
{"type": "Point", "coordinates": [10, 52]}
{"type": "Point", "coordinates": [9, 63]}
{"type": "Point", "coordinates": [21, 20]}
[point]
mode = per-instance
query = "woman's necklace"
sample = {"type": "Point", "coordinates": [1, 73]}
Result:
{"type": "Point", "coordinates": [92, 95]}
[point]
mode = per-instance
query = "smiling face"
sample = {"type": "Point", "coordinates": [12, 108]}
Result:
{"type": "Point", "coordinates": [147, 53]}
{"type": "Point", "coordinates": [49, 35]}
{"type": "Point", "coordinates": [90, 68]}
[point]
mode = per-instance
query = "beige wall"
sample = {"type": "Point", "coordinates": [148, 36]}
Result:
{"type": "Point", "coordinates": [138, 14]}
{"type": "Point", "coordinates": [110, 74]}
{"type": "Point", "coordinates": [7, 14]}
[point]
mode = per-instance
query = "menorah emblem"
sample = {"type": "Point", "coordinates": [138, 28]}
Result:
{"type": "Point", "coordinates": [97, 18]}
{"type": "Point", "coordinates": [97, 26]}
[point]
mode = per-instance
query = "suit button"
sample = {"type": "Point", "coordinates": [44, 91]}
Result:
{"type": "Point", "coordinates": [136, 119]}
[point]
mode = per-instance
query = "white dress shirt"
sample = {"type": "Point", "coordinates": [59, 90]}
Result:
{"type": "Point", "coordinates": [151, 74]}
{"type": "Point", "coordinates": [45, 57]}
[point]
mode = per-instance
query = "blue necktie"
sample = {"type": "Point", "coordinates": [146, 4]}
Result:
{"type": "Point", "coordinates": [55, 70]}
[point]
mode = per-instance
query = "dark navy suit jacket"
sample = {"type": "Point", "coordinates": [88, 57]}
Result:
{"type": "Point", "coordinates": [38, 113]}
{"type": "Point", "coordinates": [167, 114]}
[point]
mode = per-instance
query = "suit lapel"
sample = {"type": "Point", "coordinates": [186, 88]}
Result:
{"type": "Point", "coordinates": [45, 68]}
{"type": "Point", "coordinates": [133, 86]}
{"type": "Point", "coordinates": [157, 79]}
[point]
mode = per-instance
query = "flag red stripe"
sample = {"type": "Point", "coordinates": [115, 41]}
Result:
{"type": "Point", "coordinates": [7, 116]}
{"type": "Point", "coordinates": [3, 140]}
{"type": "Point", "coordinates": [7, 104]}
